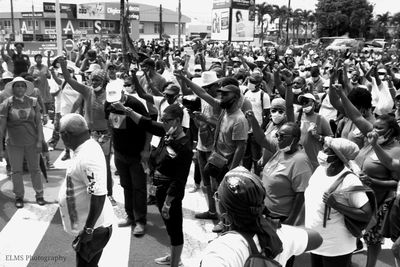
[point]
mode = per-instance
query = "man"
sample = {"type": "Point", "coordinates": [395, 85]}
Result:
{"type": "Point", "coordinates": [130, 144]}
{"type": "Point", "coordinates": [20, 61]}
{"type": "Point", "coordinates": [232, 127]}
{"type": "Point", "coordinates": [84, 207]}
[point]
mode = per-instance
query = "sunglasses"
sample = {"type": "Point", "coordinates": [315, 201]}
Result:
{"type": "Point", "coordinates": [277, 110]}
{"type": "Point", "coordinates": [280, 136]}
{"type": "Point", "coordinates": [166, 120]}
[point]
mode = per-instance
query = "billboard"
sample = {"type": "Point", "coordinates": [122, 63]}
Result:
{"type": "Point", "coordinates": [221, 4]}
{"type": "Point", "coordinates": [220, 24]}
{"type": "Point", "coordinates": [242, 25]}
{"type": "Point", "coordinates": [33, 48]}
{"type": "Point", "coordinates": [244, 4]}
{"type": "Point", "coordinates": [92, 11]}
{"type": "Point", "coordinates": [113, 11]}
{"type": "Point", "coordinates": [69, 9]}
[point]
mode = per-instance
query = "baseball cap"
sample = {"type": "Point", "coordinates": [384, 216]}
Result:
{"type": "Point", "coordinates": [172, 89]}
{"type": "Point", "coordinates": [230, 88]}
{"type": "Point", "coordinates": [113, 94]}
{"type": "Point", "coordinates": [307, 95]}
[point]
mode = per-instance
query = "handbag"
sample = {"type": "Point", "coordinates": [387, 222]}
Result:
{"type": "Point", "coordinates": [354, 226]}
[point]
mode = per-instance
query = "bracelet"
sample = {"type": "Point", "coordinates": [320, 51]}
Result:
{"type": "Point", "coordinates": [166, 205]}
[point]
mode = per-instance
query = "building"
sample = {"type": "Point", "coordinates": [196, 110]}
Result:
{"type": "Point", "coordinates": [86, 20]}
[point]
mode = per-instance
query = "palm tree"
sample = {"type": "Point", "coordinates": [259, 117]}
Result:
{"type": "Point", "coordinates": [305, 15]}
{"type": "Point", "coordinates": [282, 13]}
{"type": "Point", "coordinates": [383, 21]}
{"type": "Point", "coordinates": [262, 10]}
{"type": "Point", "coordinates": [297, 21]}
{"type": "Point", "coordinates": [396, 22]}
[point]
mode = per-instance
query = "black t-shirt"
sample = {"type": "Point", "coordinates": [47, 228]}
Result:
{"type": "Point", "coordinates": [128, 138]}
{"type": "Point", "coordinates": [21, 63]}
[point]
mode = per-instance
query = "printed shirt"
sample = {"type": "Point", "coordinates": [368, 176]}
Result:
{"type": "Point", "coordinates": [85, 176]}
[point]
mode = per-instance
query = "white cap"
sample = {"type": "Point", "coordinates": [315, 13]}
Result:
{"type": "Point", "coordinates": [113, 94]}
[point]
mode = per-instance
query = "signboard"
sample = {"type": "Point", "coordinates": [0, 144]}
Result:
{"type": "Point", "coordinates": [92, 11]}
{"type": "Point", "coordinates": [220, 24]}
{"type": "Point", "coordinates": [242, 27]}
{"type": "Point", "coordinates": [29, 14]}
{"type": "Point", "coordinates": [50, 31]}
{"type": "Point", "coordinates": [69, 9]}
{"type": "Point", "coordinates": [245, 4]}
{"type": "Point", "coordinates": [69, 45]}
{"type": "Point", "coordinates": [113, 11]}
{"type": "Point", "coordinates": [34, 48]}
{"type": "Point", "coordinates": [221, 4]}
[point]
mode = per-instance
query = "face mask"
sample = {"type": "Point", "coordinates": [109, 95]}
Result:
{"type": "Point", "coordinates": [307, 109]}
{"type": "Point", "coordinates": [128, 89]}
{"type": "Point", "coordinates": [381, 139]}
{"type": "Point", "coordinates": [277, 117]}
{"type": "Point", "coordinates": [323, 159]}
{"type": "Point", "coordinates": [98, 88]}
{"type": "Point", "coordinates": [252, 87]}
{"type": "Point", "coordinates": [315, 79]}
{"type": "Point", "coordinates": [227, 104]}
{"type": "Point", "coordinates": [381, 77]}
{"type": "Point", "coordinates": [296, 91]}
{"type": "Point", "coordinates": [286, 148]}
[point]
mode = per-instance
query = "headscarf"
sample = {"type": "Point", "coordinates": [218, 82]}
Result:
{"type": "Point", "coordinates": [100, 73]}
{"type": "Point", "coordinates": [278, 103]}
{"type": "Point", "coordinates": [345, 149]}
{"type": "Point", "coordinates": [242, 195]}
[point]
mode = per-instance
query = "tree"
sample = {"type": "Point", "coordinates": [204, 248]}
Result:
{"type": "Point", "coordinates": [262, 10]}
{"type": "Point", "coordinates": [306, 15]}
{"type": "Point", "coordinates": [382, 21]}
{"type": "Point", "coordinates": [281, 12]}
{"type": "Point", "coordinates": [338, 17]}
{"type": "Point", "coordinates": [396, 22]}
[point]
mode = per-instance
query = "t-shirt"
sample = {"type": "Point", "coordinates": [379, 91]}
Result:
{"type": "Point", "coordinates": [208, 111]}
{"type": "Point", "coordinates": [43, 84]}
{"type": "Point", "coordinates": [327, 110]}
{"type": "Point", "coordinates": [86, 176]}
{"type": "Point", "coordinates": [128, 138]}
{"type": "Point", "coordinates": [352, 133]}
{"type": "Point", "coordinates": [21, 124]}
{"type": "Point", "coordinates": [21, 63]}
{"type": "Point", "coordinates": [232, 250]}
{"type": "Point", "coordinates": [255, 99]}
{"type": "Point", "coordinates": [97, 110]}
{"type": "Point", "coordinates": [67, 98]}
{"type": "Point", "coordinates": [233, 127]}
{"type": "Point", "coordinates": [283, 176]}
{"type": "Point", "coordinates": [337, 240]}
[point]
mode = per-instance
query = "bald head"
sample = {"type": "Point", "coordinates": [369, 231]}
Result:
{"type": "Point", "coordinates": [74, 124]}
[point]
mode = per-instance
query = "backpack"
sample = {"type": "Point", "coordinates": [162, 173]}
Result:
{"type": "Point", "coordinates": [256, 258]}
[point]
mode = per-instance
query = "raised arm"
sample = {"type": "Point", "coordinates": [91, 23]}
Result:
{"type": "Point", "coordinates": [80, 88]}
{"type": "Point", "coordinates": [388, 161]}
{"type": "Point", "coordinates": [139, 89]}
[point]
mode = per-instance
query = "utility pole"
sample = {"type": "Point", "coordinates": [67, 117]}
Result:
{"type": "Point", "coordinates": [58, 29]}
{"type": "Point", "coordinates": [33, 22]}
{"type": "Point", "coordinates": [12, 19]}
{"type": "Point", "coordinates": [287, 25]}
{"type": "Point", "coordinates": [179, 25]}
{"type": "Point", "coordinates": [161, 27]}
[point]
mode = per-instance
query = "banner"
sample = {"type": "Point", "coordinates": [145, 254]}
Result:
{"type": "Point", "coordinates": [33, 48]}
{"type": "Point", "coordinates": [113, 10]}
{"type": "Point", "coordinates": [29, 14]}
{"type": "Point", "coordinates": [244, 4]}
{"type": "Point", "coordinates": [69, 9]}
{"type": "Point", "coordinates": [242, 27]}
{"type": "Point", "coordinates": [220, 24]}
{"type": "Point", "coordinates": [221, 4]}
{"type": "Point", "coordinates": [91, 11]}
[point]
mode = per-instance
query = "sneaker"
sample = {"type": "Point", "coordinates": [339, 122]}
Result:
{"type": "Point", "coordinates": [206, 216]}
{"type": "Point", "coordinates": [166, 260]}
{"type": "Point", "coordinates": [40, 201]}
{"type": "Point", "coordinates": [66, 156]}
{"type": "Point", "coordinates": [194, 189]}
{"type": "Point", "coordinates": [19, 203]}
{"type": "Point", "coordinates": [125, 223]}
{"type": "Point", "coordinates": [138, 230]}
{"type": "Point", "coordinates": [112, 200]}
{"type": "Point", "coordinates": [219, 227]}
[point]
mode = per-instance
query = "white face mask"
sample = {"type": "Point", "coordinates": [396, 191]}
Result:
{"type": "Point", "coordinates": [98, 88]}
{"type": "Point", "coordinates": [307, 109]}
{"type": "Point", "coordinates": [251, 86]}
{"type": "Point", "coordinates": [323, 159]}
{"type": "Point", "coordinates": [381, 77]}
{"type": "Point", "coordinates": [286, 148]}
{"type": "Point", "coordinates": [277, 117]}
{"type": "Point", "coordinates": [296, 91]}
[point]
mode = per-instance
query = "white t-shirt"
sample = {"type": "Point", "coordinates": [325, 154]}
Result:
{"type": "Point", "coordinates": [232, 250]}
{"type": "Point", "coordinates": [86, 176]}
{"type": "Point", "coordinates": [255, 99]}
{"type": "Point", "coordinates": [337, 240]}
{"type": "Point", "coordinates": [57, 99]}
{"type": "Point", "coordinates": [68, 97]}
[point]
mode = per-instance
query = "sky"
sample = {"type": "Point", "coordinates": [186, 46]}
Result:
{"type": "Point", "coordinates": [201, 9]}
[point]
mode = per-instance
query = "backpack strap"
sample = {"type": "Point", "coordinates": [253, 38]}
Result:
{"type": "Point", "coordinates": [252, 245]}
{"type": "Point", "coordinates": [159, 107]}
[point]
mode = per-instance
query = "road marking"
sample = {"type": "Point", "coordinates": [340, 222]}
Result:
{"type": "Point", "coordinates": [117, 251]}
{"type": "Point", "coordinates": [23, 233]}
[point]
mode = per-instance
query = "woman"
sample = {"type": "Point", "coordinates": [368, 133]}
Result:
{"type": "Point", "coordinates": [94, 99]}
{"type": "Point", "coordinates": [171, 164]}
{"type": "Point", "coordinates": [240, 201]}
{"type": "Point", "coordinates": [338, 243]}
{"type": "Point", "coordinates": [374, 173]}
{"type": "Point", "coordinates": [20, 116]}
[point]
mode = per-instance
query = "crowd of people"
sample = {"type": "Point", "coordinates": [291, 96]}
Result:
{"type": "Point", "coordinates": [282, 141]}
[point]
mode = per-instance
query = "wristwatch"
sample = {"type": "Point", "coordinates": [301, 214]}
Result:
{"type": "Point", "coordinates": [89, 231]}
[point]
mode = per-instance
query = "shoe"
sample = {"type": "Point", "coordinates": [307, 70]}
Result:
{"type": "Point", "coordinates": [19, 203]}
{"type": "Point", "coordinates": [40, 201]}
{"type": "Point", "coordinates": [125, 223]}
{"type": "Point", "coordinates": [218, 228]}
{"type": "Point", "coordinates": [206, 216]}
{"type": "Point", "coordinates": [194, 189]}
{"type": "Point", "coordinates": [138, 230]}
{"type": "Point", "coordinates": [66, 156]}
{"type": "Point", "coordinates": [151, 201]}
{"type": "Point", "coordinates": [166, 260]}
{"type": "Point", "coordinates": [112, 200]}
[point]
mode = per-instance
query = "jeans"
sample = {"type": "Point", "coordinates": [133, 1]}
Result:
{"type": "Point", "coordinates": [56, 132]}
{"type": "Point", "coordinates": [202, 160]}
{"type": "Point", "coordinates": [133, 180]}
{"type": "Point", "coordinates": [324, 261]}
{"type": "Point", "coordinates": [104, 140]}
{"type": "Point", "coordinates": [94, 248]}
{"type": "Point", "coordinates": [252, 155]}
{"type": "Point", "coordinates": [16, 155]}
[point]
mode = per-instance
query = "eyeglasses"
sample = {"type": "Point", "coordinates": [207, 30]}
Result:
{"type": "Point", "coordinates": [277, 110]}
{"type": "Point", "coordinates": [280, 136]}
{"type": "Point", "coordinates": [166, 120]}
{"type": "Point", "coordinates": [127, 85]}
